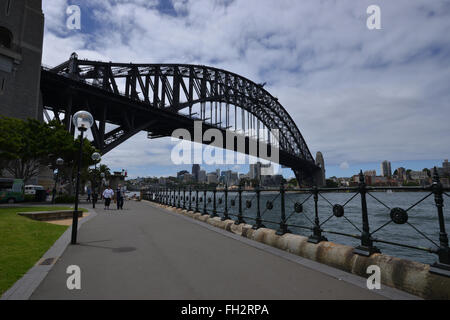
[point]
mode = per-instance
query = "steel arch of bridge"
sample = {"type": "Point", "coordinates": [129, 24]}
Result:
{"type": "Point", "coordinates": [176, 88]}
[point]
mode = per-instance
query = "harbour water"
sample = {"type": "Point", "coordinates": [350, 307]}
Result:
{"type": "Point", "coordinates": [422, 218]}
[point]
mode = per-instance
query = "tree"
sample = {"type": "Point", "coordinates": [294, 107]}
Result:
{"type": "Point", "coordinates": [254, 182]}
{"type": "Point", "coordinates": [244, 181]}
{"type": "Point", "coordinates": [331, 184]}
{"type": "Point", "coordinates": [94, 175]}
{"type": "Point", "coordinates": [427, 171]}
{"type": "Point", "coordinates": [25, 146]}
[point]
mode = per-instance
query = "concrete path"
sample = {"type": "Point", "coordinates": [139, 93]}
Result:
{"type": "Point", "coordinates": [145, 252]}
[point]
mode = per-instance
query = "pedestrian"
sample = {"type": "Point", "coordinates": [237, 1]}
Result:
{"type": "Point", "coordinates": [89, 194]}
{"type": "Point", "coordinates": [119, 197]}
{"type": "Point", "coordinates": [107, 195]}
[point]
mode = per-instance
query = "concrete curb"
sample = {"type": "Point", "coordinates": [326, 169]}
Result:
{"type": "Point", "coordinates": [409, 276]}
{"type": "Point", "coordinates": [25, 286]}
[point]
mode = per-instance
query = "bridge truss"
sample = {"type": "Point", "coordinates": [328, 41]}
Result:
{"type": "Point", "coordinates": [160, 98]}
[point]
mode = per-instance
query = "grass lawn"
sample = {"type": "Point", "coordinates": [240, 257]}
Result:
{"type": "Point", "coordinates": [23, 242]}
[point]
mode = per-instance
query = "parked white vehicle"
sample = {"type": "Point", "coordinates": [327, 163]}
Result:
{"type": "Point", "coordinates": [31, 189]}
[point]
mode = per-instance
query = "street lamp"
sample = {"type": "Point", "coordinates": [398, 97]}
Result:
{"type": "Point", "coordinates": [96, 157]}
{"type": "Point", "coordinates": [82, 120]}
{"type": "Point", "coordinates": [59, 163]}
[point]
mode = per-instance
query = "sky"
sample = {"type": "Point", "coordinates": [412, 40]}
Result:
{"type": "Point", "coordinates": [359, 96]}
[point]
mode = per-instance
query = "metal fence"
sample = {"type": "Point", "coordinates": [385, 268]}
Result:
{"type": "Point", "coordinates": [234, 203]}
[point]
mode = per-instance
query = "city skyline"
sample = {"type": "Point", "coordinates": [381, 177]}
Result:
{"type": "Point", "coordinates": [331, 170]}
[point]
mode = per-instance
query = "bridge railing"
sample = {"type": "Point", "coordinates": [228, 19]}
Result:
{"type": "Point", "coordinates": [275, 208]}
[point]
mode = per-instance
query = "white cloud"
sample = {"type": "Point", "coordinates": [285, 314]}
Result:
{"type": "Point", "coordinates": [344, 165]}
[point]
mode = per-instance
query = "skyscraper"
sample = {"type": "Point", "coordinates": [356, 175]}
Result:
{"type": "Point", "coordinates": [386, 169]}
{"type": "Point", "coordinates": [195, 171]}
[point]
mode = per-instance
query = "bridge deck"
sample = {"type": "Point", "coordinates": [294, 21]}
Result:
{"type": "Point", "coordinates": [145, 252]}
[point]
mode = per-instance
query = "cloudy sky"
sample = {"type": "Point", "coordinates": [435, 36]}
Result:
{"type": "Point", "coordinates": [359, 96]}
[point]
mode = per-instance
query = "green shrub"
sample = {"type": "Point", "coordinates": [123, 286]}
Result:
{"type": "Point", "coordinates": [65, 198]}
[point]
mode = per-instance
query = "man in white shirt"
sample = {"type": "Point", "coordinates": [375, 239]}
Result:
{"type": "Point", "coordinates": [107, 195]}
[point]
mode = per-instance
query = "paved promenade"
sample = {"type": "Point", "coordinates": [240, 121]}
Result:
{"type": "Point", "coordinates": [145, 252]}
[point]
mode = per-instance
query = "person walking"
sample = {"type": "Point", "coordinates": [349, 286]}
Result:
{"type": "Point", "coordinates": [107, 195]}
{"type": "Point", "coordinates": [119, 197]}
{"type": "Point", "coordinates": [89, 194]}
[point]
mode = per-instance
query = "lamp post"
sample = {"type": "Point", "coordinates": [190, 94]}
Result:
{"type": "Point", "coordinates": [59, 163]}
{"type": "Point", "coordinates": [82, 120]}
{"type": "Point", "coordinates": [96, 157]}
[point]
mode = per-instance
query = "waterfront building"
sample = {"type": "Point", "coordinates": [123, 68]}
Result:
{"type": "Point", "coordinates": [446, 167]}
{"type": "Point", "coordinates": [201, 176]}
{"type": "Point", "coordinates": [370, 173]}
{"type": "Point", "coordinates": [212, 177]}
{"type": "Point", "coordinates": [418, 175]}
{"type": "Point", "coordinates": [187, 178]}
{"type": "Point", "coordinates": [256, 171]}
{"type": "Point", "coordinates": [180, 174]}
{"type": "Point", "coordinates": [195, 171]}
{"type": "Point", "coordinates": [386, 169]}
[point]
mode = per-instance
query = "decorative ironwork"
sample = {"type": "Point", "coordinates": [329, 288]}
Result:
{"type": "Point", "coordinates": [298, 207]}
{"type": "Point", "coordinates": [397, 216]}
{"type": "Point", "coordinates": [338, 210]}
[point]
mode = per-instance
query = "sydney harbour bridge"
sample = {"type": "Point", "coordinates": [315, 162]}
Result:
{"type": "Point", "coordinates": [160, 98]}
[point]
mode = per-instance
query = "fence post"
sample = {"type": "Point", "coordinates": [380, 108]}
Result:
{"type": "Point", "coordinates": [366, 248]}
{"type": "Point", "coordinates": [204, 203]}
{"type": "Point", "coordinates": [239, 216]}
{"type": "Point", "coordinates": [443, 266]}
{"type": "Point", "coordinates": [179, 198]}
{"type": "Point", "coordinates": [196, 199]}
{"type": "Point", "coordinates": [225, 211]}
{"type": "Point", "coordinates": [190, 198]}
{"type": "Point", "coordinates": [258, 210]}
{"type": "Point", "coordinates": [283, 227]}
{"type": "Point", "coordinates": [184, 198]}
{"type": "Point", "coordinates": [214, 212]}
{"type": "Point", "coordinates": [317, 236]}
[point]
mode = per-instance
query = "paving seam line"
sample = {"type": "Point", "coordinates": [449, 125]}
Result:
{"type": "Point", "coordinates": [385, 291]}
{"type": "Point", "coordinates": [25, 286]}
